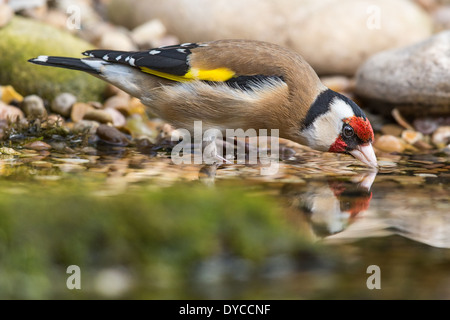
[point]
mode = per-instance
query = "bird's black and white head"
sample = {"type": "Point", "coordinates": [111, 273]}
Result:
{"type": "Point", "coordinates": [334, 123]}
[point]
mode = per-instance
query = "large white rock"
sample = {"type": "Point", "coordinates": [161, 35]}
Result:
{"type": "Point", "coordinates": [414, 75]}
{"type": "Point", "coordinates": [335, 36]}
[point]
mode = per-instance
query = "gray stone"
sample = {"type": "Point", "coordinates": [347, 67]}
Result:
{"type": "Point", "coordinates": [33, 107]}
{"type": "Point", "coordinates": [63, 103]}
{"type": "Point", "coordinates": [23, 39]}
{"type": "Point", "coordinates": [334, 36]}
{"type": "Point", "coordinates": [417, 75]}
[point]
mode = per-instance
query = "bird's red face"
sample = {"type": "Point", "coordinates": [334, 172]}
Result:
{"type": "Point", "coordinates": [334, 123]}
{"type": "Point", "coordinates": [356, 138]}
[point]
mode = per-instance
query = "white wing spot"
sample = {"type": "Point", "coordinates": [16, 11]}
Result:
{"type": "Point", "coordinates": [181, 50]}
{"type": "Point", "coordinates": [91, 55]}
{"type": "Point", "coordinates": [153, 52]}
{"type": "Point", "coordinates": [127, 58]}
{"type": "Point", "coordinates": [105, 57]}
{"type": "Point", "coordinates": [119, 57]}
{"type": "Point", "coordinates": [132, 61]}
{"type": "Point", "coordinates": [185, 44]}
{"type": "Point", "coordinates": [41, 59]}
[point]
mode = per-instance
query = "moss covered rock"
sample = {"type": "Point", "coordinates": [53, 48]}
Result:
{"type": "Point", "coordinates": [24, 39]}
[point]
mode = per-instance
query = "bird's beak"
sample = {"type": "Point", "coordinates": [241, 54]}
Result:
{"type": "Point", "coordinates": [365, 153]}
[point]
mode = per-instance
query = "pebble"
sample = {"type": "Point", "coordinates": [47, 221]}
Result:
{"type": "Point", "coordinates": [9, 151]}
{"type": "Point", "coordinates": [338, 83]}
{"type": "Point", "coordinates": [55, 120]}
{"type": "Point", "coordinates": [101, 116]}
{"type": "Point", "coordinates": [118, 101]}
{"type": "Point", "coordinates": [8, 94]}
{"type": "Point", "coordinates": [415, 77]}
{"type": "Point", "coordinates": [10, 113]}
{"type": "Point", "coordinates": [57, 19]}
{"type": "Point", "coordinates": [112, 135]}
{"type": "Point", "coordinates": [392, 129]}
{"type": "Point", "coordinates": [441, 137]}
{"type": "Point", "coordinates": [79, 110]}
{"type": "Point", "coordinates": [388, 143]}
{"type": "Point", "coordinates": [117, 39]}
{"type": "Point", "coordinates": [62, 104]}
{"type": "Point", "coordinates": [28, 4]}
{"type": "Point", "coordinates": [441, 17]}
{"type": "Point", "coordinates": [38, 146]}
{"type": "Point", "coordinates": [86, 126]}
{"type": "Point", "coordinates": [118, 119]}
{"type": "Point", "coordinates": [6, 14]}
{"type": "Point", "coordinates": [334, 36]}
{"type": "Point", "coordinates": [147, 35]}
{"type": "Point", "coordinates": [425, 125]}
{"type": "Point", "coordinates": [411, 136]}
{"type": "Point", "coordinates": [33, 107]}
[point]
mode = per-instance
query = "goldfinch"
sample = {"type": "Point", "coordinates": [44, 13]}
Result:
{"type": "Point", "coordinates": [234, 84]}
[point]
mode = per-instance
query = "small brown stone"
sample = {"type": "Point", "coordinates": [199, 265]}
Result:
{"type": "Point", "coordinates": [411, 136]}
{"type": "Point", "coordinates": [112, 135]}
{"type": "Point", "coordinates": [98, 115]}
{"type": "Point", "coordinates": [117, 101]}
{"type": "Point", "coordinates": [118, 119]}
{"type": "Point", "coordinates": [392, 129]}
{"type": "Point", "coordinates": [79, 110]}
{"type": "Point", "coordinates": [388, 143]}
{"type": "Point", "coordinates": [38, 146]}
{"type": "Point", "coordinates": [33, 106]}
{"type": "Point", "coordinates": [10, 113]}
{"type": "Point", "coordinates": [441, 137]}
{"type": "Point", "coordinates": [62, 104]}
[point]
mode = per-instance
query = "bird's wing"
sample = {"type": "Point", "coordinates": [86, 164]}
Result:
{"type": "Point", "coordinates": [195, 61]}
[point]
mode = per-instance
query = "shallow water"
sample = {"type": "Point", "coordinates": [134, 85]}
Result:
{"type": "Point", "coordinates": [333, 219]}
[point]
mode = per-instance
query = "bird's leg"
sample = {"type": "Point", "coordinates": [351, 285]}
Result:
{"type": "Point", "coordinates": [210, 150]}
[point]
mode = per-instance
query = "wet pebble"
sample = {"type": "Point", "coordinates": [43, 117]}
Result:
{"type": "Point", "coordinates": [55, 120]}
{"type": "Point", "coordinates": [86, 126]}
{"type": "Point", "coordinates": [388, 143]}
{"type": "Point", "coordinates": [62, 104]}
{"type": "Point", "coordinates": [79, 110]}
{"type": "Point", "coordinates": [101, 116]}
{"type": "Point", "coordinates": [112, 135]}
{"type": "Point", "coordinates": [441, 136]}
{"type": "Point", "coordinates": [9, 151]}
{"type": "Point", "coordinates": [38, 146]}
{"type": "Point", "coordinates": [33, 107]}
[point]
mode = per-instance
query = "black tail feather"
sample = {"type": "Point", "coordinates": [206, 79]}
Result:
{"type": "Point", "coordinates": [63, 62]}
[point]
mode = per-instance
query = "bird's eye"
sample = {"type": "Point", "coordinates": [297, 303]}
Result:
{"type": "Point", "coordinates": [348, 132]}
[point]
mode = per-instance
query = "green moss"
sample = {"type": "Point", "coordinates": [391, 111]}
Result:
{"type": "Point", "coordinates": [160, 236]}
{"type": "Point", "coordinates": [23, 39]}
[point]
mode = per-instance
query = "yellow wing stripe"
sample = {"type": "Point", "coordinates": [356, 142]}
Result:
{"type": "Point", "coordinates": [219, 74]}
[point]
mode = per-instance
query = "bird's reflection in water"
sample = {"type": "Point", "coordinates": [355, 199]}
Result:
{"type": "Point", "coordinates": [330, 206]}
{"type": "Point", "coordinates": [323, 206]}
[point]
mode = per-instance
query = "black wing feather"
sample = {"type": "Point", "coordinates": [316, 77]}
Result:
{"type": "Point", "coordinates": [170, 59]}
